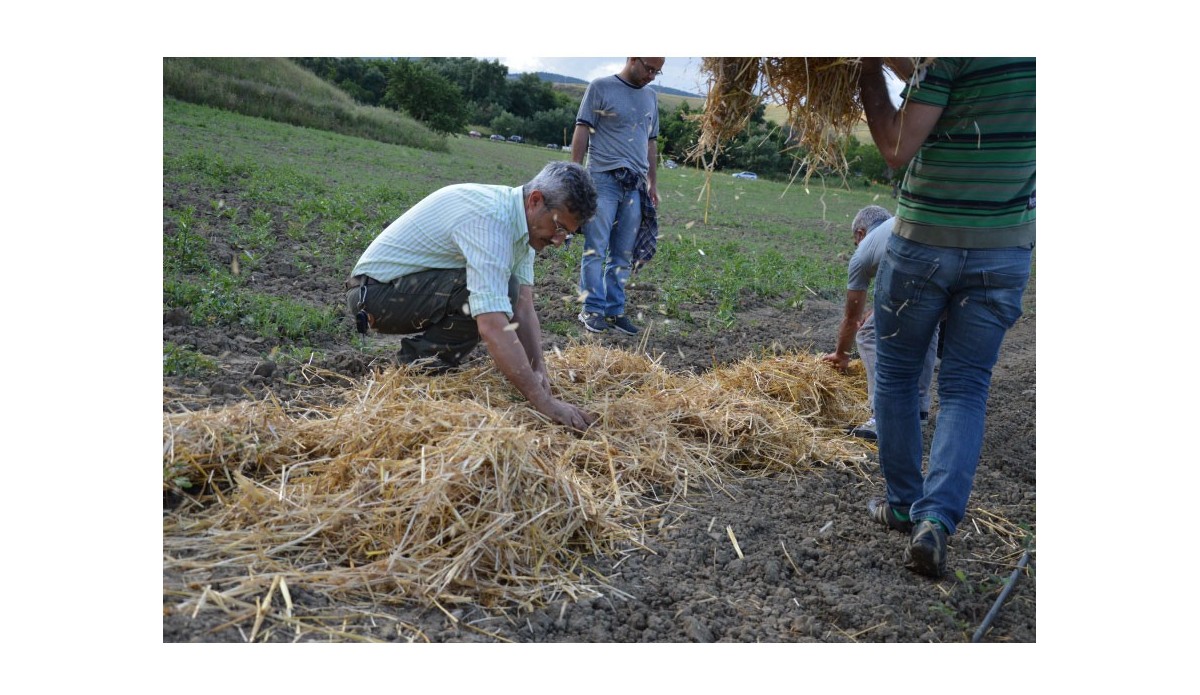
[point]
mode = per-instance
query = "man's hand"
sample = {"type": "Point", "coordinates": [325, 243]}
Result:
{"type": "Point", "coordinates": [871, 65]}
{"type": "Point", "coordinates": [840, 361]}
{"type": "Point", "coordinates": [566, 414]}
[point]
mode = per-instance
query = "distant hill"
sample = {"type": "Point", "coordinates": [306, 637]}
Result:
{"type": "Point", "coordinates": [552, 77]}
{"type": "Point", "coordinates": [675, 92]}
{"type": "Point", "coordinates": [555, 78]}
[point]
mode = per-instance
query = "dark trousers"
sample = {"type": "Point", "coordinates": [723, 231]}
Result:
{"type": "Point", "coordinates": [432, 303]}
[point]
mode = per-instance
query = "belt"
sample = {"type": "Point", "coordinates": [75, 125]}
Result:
{"type": "Point", "coordinates": [360, 280]}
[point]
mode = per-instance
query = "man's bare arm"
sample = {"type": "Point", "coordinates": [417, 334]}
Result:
{"type": "Point", "coordinates": [898, 133]}
{"type": "Point", "coordinates": [506, 349]}
{"type": "Point", "coordinates": [579, 143]}
{"type": "Point", "coordinates": [851, 321]}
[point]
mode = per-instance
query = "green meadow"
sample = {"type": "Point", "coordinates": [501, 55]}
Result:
{"type": "Point", "coordinates": [248, 193]}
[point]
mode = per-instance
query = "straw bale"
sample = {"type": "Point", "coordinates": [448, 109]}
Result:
{"type": "Point", "coordinates": [452, 489]}
{"type": "Point", "coordinates": [732, 98]}
{"type": "Point", "coordinates": [820, 96]}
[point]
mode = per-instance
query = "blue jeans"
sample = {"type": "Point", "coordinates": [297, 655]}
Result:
{"type": "Point", "coordinates": [979, 291]}
{"type": "Point", "coordinates": [608, 246]}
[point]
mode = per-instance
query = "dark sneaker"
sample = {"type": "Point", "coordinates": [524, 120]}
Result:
{"type": "Point", "coordinates": [881, 511]}
{"type": "Point", "coordinates": [865, 431]}
{"type": "Point", "coordinates": [623, 324]}
{"type": "Point", "coordinates": [926, 552]}
{"type": "Point", "coordinates": [593, 322]}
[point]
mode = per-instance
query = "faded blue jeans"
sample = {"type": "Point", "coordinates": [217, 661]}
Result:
{"type": "Point", "coordinates": [980, 291]}
{"type": "Point", "coordinates": [608, 246]}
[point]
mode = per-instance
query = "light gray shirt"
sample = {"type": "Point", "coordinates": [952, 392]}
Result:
{"type": "Point", "coordinates": [623, 119]}
{"type": "Point", "coordinates": [869, 255]}
{"type": "Point", "coordinates": [474, 226]}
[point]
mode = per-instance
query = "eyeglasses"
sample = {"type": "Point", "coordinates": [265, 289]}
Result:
{"type": "Point", "coordinates": [560, 230]}
{"type": "Point", "coordinates": [655, 72]}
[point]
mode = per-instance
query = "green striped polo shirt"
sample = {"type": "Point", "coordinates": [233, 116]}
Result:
{"type": "Point", "coordinates": [972, 184]}
{"type": "Point", "coordinates": [468, 225]}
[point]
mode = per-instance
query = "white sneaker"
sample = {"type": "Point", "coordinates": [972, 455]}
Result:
{"type": "Point", "coordinates": [865, 430]}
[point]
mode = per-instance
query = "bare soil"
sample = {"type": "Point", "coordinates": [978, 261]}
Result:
{"type": "Point", "coordinates": [815, 569]}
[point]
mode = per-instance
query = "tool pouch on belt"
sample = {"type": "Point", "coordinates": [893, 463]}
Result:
{"type": "Point", "coordinates": [362, 320]}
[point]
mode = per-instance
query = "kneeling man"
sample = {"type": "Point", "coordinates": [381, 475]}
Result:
{"type": "Point", "coordinates": [458, 266]}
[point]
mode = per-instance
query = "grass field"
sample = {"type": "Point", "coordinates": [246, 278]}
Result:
{"type": "Point", "coordinates": [252, 190]}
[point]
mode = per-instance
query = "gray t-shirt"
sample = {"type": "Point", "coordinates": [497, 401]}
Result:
{"type": "Point", "coordinates": [869, 255]}
{"type": "Point", "coordinates": [623, 119]}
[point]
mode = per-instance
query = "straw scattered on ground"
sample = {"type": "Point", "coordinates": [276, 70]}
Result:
{"type": "Point", "coordinates": [452, 490]}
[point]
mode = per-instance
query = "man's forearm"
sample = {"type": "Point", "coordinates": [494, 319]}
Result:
{"type": "Point", "coordinates": [529, 330]}
{"type": "Point", "coordinates": [898, 133]}
{"type": "Point", "coordinates": [878, 107]}
{"type": "Point", "coordinates": [845, 337]}
{"type": "Point", "coordinates": [850, 320]}
{"type": "Point", "coordinates": [507, 350]}
{"type": "Point", "coordinates": [652, 159]}
{"type": "Point", "coordinates": [579, 143]}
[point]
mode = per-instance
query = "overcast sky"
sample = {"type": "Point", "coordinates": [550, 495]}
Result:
{"type": "Point", "coordinates": [678, 73]}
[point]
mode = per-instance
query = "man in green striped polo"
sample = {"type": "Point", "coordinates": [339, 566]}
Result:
{"type": "Point", "coordinates": [962, 249]}
{"type": "Point", "coordinates": [458, 267]}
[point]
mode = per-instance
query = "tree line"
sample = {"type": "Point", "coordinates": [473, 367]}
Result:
{"type": "Point", "coordinates": [448, 94]}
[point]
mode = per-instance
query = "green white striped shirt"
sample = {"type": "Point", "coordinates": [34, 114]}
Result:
{"type": "Point", "coordinates": [972, 183]}
{"type": "Point", "coordinates": [469, 225]}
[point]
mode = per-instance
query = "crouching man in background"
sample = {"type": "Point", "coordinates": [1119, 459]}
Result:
{"type": "Point", "coordinates": [458, 266]}
{"type": "Point", "coordinates": [871, 228]}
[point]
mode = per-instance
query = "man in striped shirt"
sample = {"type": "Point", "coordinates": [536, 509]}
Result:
{"type": "Point", "coordinates": [458, 266]}
{"type": "Point", "coordinates": [962, 248]}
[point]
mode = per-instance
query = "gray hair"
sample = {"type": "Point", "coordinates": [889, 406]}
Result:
{"type": "Point", "coordinates": [869, 218]}
{"type": "Point", "coordinates": [565, 185]}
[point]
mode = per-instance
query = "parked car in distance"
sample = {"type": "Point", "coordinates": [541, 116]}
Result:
{"type": "Point", "coordinates": [516, 138]}
{"type": "Point", "coordinates": [746, 175]}
{"type": "Point", "coordinates": [552, 146]}
{"type": "Point", "coordinates": [670, 164]}
{"type": "Point", "coordinates": [497, 137]}
{"type": "Point", "coordinates": [475, 134]}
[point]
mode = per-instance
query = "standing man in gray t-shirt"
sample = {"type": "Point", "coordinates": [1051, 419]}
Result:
{"type": "Point", "coordinates": [871, 228]}
{"type": "Point", "coordinates": [617, 128]}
